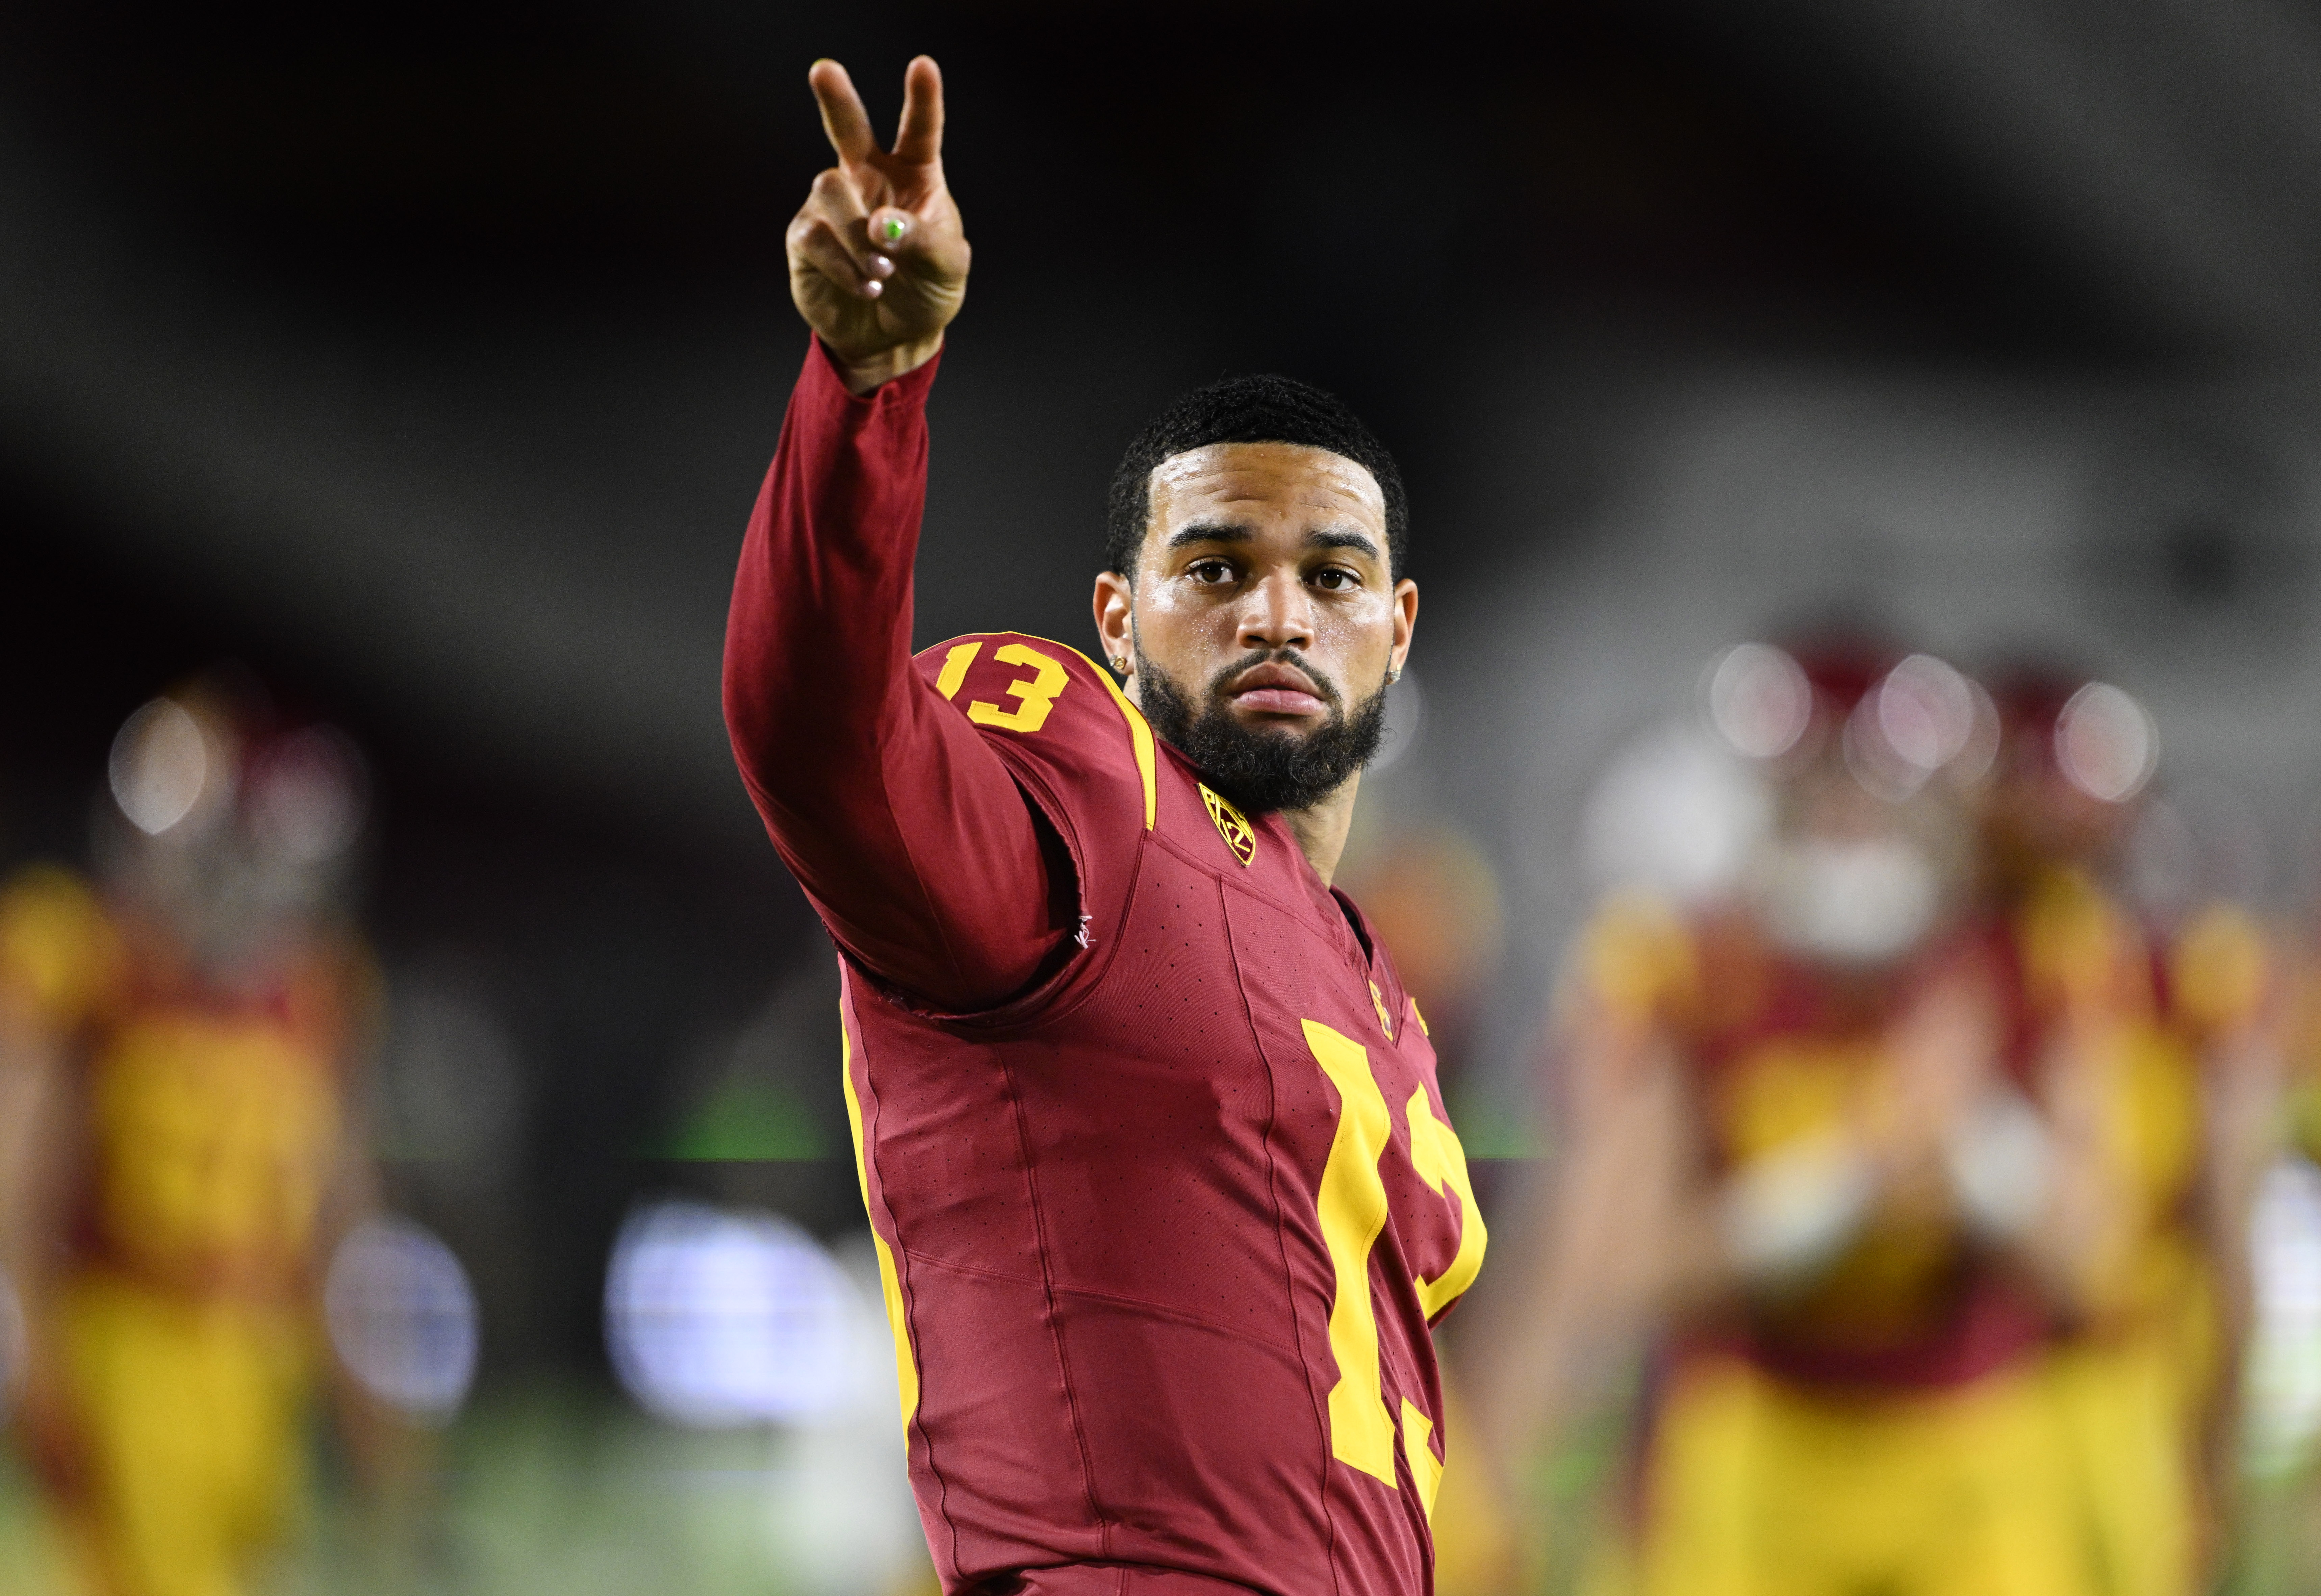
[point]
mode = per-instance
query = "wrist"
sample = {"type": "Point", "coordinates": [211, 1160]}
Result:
{"type": "Point", "coordinates": [870, 372]}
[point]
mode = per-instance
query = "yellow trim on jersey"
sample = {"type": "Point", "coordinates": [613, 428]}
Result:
{"type": "Point", "coordinates": [906, 1369]}
{"type": "Point", "coordinates": [1140, 738]}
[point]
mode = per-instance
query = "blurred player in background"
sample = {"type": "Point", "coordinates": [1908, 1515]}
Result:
{"type": "Point", "coordinates": [177, 1042]}
{"type": "Point", "coordinates": [2161, 1073]}
{"type": "Point", "coordinates": [1811, 1165]}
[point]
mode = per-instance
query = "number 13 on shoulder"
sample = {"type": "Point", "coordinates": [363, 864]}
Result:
{"type": "Point", "coordinates": [1037, 693]}
{"type": "Point", "coordinates": [1352, 1206]}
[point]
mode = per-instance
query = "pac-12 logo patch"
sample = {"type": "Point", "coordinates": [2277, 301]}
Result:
{"type": "Point", "coordinates": [1231, 825]}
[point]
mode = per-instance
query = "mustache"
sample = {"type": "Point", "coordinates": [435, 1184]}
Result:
{"type": "Point", "coordinates": [1290, 657]}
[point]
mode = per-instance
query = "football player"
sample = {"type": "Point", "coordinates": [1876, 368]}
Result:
{"type": "Point", "coordinates": [177, 1042]}
{"type": "Point", "coordinates": [1806, 1171]}
{"type": "Point", "coordinates": [1166, 1200]}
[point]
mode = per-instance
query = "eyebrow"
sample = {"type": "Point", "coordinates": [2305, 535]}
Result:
{"type": "Point", "coordinates": [1340, 539]}
{"type": "Point", "coordinates": [1328, 538]}
{"type": "Point", "coordinates": [1209, 533]}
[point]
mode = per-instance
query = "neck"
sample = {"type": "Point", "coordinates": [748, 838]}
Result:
{"type": "Point", "coordinates": [1321, 830]}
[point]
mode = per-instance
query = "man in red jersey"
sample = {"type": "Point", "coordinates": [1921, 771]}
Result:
{"type": "Point", "coordinates": [1165, 1195]}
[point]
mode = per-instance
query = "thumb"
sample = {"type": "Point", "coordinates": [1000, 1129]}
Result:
{"type": "Point", "coordinates": [894, 230]}
{"type": "Point", "coordinates": [929, 238]}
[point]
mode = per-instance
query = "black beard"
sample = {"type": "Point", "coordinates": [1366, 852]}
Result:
{"type": "Point", "coordinates": [1262, 772]}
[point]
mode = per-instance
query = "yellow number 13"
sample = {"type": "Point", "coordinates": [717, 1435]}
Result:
{"type": "Point", "coordinates": [1037, 692]}
{"type": "Point", "coordinates": [1352, 1205]}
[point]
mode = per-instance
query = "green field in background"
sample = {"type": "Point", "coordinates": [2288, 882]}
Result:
{"type": "Point", "coordinates": [554, 1491]}
{"type": "Point", "coordinates": [543, 1493]}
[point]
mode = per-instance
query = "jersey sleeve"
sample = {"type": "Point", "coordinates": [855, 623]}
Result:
{"type": "Point", "coordinates": [908, 831]}
{"type": "Point", "coordinates": [1078, 748]}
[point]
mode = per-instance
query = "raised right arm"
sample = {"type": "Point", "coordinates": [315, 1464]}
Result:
{"type": "Point", "coordinates": [906, 830]}
{"type": "Point", "coordinates": [903, 825]}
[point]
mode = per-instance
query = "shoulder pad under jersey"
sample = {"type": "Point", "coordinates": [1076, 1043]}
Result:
{"type": "Point", "coordinates": [1058, 717]}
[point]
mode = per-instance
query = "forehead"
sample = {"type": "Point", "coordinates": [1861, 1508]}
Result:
{"type": "Point", "coordinates": [1243, 483]}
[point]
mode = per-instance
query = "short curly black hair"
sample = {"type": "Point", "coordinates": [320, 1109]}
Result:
{"type": "Point", "coordinates": [1260, 409]}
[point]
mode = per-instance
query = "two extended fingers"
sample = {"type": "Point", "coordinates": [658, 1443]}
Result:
{"type": "Point", "coordinates": [917, 140]}
{"type": "Point", "coordinates": [833, 232]}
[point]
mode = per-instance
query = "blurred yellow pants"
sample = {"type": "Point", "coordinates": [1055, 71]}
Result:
{"type": "Point", "coordinates": [2125, 1407]}
{"type": "Point", "coordinates": [1753, 1487]}
{"type": "Point", "coordinates": [2136, 1400]}
{"type": "Point", "coordinates": [1475, 1552]}
{"type": "Point", "coordinates": [189, 1418]}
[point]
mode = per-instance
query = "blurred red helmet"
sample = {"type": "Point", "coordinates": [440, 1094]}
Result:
{"type": "Point", "coordinates": [1898, 718]}
{"type": "Point", "coordinates": [2059, 724]}
{"type": "Point", "coordinates": [215, 757]}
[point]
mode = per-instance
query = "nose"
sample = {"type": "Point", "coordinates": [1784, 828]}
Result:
{"type": "Point", "coordinates": [1277, 612]}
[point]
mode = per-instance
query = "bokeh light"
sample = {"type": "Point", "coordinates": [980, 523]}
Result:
{"type": "Point", "coordinates": [717, 1319]}
{"type": "Point", "coordinates": [1760, 700]}
{"type": "Point", "coordinates": [1926, 710]}
{"type": "Point", "coordinates": [2106, 743]}
{"type": "Point", "coordinates": [402, 1317]}
{"type": "Point", "coordinates": [159, 765]}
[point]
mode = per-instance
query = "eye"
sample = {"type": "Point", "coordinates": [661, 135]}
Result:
{"type": "Point", "coordinates": [1210, 572]}
{"type": "Point", "coordinates": [1336, 578]}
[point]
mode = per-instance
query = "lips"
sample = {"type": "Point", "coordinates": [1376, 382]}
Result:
{"type": "Point", "coordinates": [1276, 690]}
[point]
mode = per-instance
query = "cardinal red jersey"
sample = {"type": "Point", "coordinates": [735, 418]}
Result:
{"type": "Point", "coordinates": [1163, 1238]}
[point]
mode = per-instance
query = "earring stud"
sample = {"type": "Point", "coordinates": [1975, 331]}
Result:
{"type": "Point", "coordinates": [1120, 664]}
{"type": "Point", "coordinates": [1393, 674]}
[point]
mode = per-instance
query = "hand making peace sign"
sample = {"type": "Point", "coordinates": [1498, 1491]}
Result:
{"type": "Point", "coordinates": [877, 257]}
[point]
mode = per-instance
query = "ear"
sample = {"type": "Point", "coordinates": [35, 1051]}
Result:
{"type": "Point", "coordinates": [1406, 621]}
{"type": "Point", "coordinates": [1115, 623]}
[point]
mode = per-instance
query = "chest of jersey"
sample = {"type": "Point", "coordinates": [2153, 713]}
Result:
{"type": "Point", "coordinates": [212, 1137]}
{"type": "Point", "coordinates": [1271, 1126]}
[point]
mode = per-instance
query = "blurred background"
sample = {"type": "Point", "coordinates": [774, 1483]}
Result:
{"type": "Point", "coordinates": [401, 378]}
